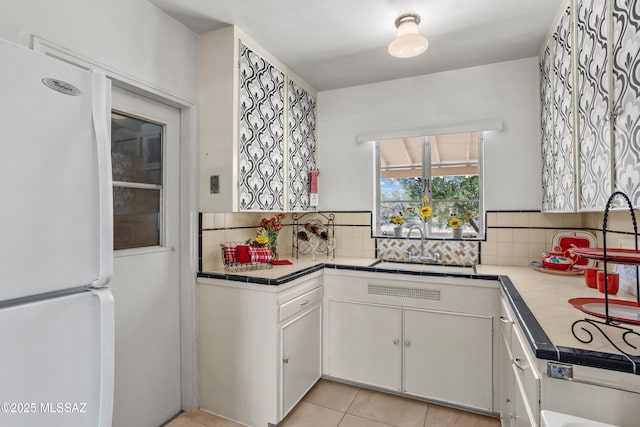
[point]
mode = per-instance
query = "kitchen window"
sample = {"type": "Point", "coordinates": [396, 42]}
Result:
{"type": "Point", "coordinates": [137, 159]}
{"type": "Point", "coordinates": [446, 169]}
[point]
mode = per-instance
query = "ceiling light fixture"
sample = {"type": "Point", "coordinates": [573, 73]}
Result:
{"type": "Point", "coordinates": [408, 42]}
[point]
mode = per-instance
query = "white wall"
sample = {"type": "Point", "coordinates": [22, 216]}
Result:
{"type": "Point", "coordinates": [132, 36]}
{"type": "Point", "coordinates": [506, 91]}
{"type": "Point", "coordinates": [134, 39]}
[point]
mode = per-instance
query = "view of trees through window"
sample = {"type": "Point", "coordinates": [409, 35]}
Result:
{"type": "Point", "coordinates": [450, 196]}
{"type": "Point", "coordinates": [452, 187]}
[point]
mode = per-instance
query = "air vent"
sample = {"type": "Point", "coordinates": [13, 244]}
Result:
{"type": "Point", "coordinates": [413, 293]}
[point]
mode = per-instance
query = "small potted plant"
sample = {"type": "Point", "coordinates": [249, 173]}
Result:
{"type": "Point", "coordinates": [397, 221]}
{"type": "Point", "coordinates": [456, 225]}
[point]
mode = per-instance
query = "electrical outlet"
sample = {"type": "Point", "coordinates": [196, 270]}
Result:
{"type": "Point", "coordinates": [559, 370]}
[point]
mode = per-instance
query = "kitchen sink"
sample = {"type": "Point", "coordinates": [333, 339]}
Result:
{"type": "Point", "coordinates": [433, 268]}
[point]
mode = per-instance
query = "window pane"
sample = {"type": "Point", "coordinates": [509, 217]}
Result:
{"type": "Point", "coordinates": [453, 174]}
{"type": "Point", "coordinates": [136, 217]}
{"type": "Point", "coordinates": [136, 150]}
{"type": "Point", "coordinates": [400, 189]}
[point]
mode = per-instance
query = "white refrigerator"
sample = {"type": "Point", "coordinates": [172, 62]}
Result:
{"type": "Point", "coordinates": [56, 251]}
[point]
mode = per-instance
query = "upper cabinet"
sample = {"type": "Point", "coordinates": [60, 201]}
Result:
{"type": "Point", "coordinates": [626, 97]}
{"type": "Point", "coordinates": [258, 129]}
{"type": "Point", "coordinates": [302, 145]}
{"type": "Point", "coordinates": [556, 69]}
{"type": "Point", "coordinates": [588, 133]}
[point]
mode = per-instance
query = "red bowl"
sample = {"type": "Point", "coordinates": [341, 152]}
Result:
{"type": "Point", "coordinates": [557, 262]}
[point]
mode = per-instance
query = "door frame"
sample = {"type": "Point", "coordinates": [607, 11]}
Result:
{"type": "Point", "coordinates": [188, 229]}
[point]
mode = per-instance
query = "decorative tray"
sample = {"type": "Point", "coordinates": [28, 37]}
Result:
{"type": "Point", "coordinates": [614, 255]}
{"type": "Point", "coordinates": [569, 272]}
{"type": "Point", "coordinates": [619, 310]}
{"type": "Point", "coordinates": [569, 239]}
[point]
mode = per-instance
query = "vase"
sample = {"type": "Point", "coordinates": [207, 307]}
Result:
{"type": "Point", "coordinates": [397, 231]}
{"type": "Point", "coordinates": [457, 233]}
{"type": "Point", "coordinates": [274, 248]}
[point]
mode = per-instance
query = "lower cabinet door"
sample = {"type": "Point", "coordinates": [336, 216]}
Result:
{"type": "Point", "coordinates": [301, 350]}
{"type": "Point", "coordinates": [448, 357]}
{"type": "Point", "coordinates": [523, 415]}
{"type": "Point", "coordinates": [507, 381]}
{"type": "Point", "coordinates": [365, 343]}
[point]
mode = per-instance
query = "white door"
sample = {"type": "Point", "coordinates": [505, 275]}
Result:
{"type": "Point", "coordinates": [145, 284]}
{"type": "Point", "coordinates": [364, 343]}
{"type": "Point", "coordinates": [300, 356]}
{"type": "Point", "coordinates": [448, 356]}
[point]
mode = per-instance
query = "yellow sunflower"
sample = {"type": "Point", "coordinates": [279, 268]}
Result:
{"type": "Point", "coordinates": [454, 222]}
{"type": "Point", "coordinates": [425, 212]}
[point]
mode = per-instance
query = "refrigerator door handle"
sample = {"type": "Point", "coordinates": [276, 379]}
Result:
{"type": "Point", "coordinates": [107, 355]}
{"type": "Point", "coordinates": [101, 112]}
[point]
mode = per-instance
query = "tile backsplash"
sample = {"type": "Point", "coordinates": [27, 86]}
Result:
{"type": "Point", "coordinates": [352, 234]}
{"type": "Point", "coordinates": [517, 238]}
{"type": "Point", "coordinates": [512, 238]}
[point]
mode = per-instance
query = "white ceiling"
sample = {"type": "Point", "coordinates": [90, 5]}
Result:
{"type": "Point", "coordinates": [339, 43]}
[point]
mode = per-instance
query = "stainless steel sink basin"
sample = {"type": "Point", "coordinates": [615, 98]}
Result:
{"type": "Point", "coordinates": [434, 268]}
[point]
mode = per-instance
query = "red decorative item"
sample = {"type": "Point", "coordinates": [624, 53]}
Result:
{"type": "Point", "coordinates": [230, 254]}
{"type": "Point", "coordinates": [260, 254]}
{"type": "Point", "coordinates": [242, 254]}
{"type": "Point", "coordinates": [590, 277]}
{"type": "Point", "coordinates": [613, 282]}
{"type": "Point", "coordinates": [558, 260]}
{"type": "Point", "coordinates": [619, 310]}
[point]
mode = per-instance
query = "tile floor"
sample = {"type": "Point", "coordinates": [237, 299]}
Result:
{"type": "Point", "coordinates": [332, 404]}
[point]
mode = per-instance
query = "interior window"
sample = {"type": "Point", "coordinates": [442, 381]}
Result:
{"type": "Point", "coordinates": [442, 172]}
{"type": "Point", "coordinates": [136, 155]}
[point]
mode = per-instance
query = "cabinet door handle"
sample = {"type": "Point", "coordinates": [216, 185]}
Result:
{"type": "Point", "coordinates": [285, 361]}
{"type": "Point", "coordinates": [505, 320]}
{"type": "Point", "coordinates": [305, 302]}
{"type": "Point", "coordinates": [518, 363]}
{"type": "Point", "coordinates": [407, 343]}
{"type": "Point", "coordinates": [396, 341]}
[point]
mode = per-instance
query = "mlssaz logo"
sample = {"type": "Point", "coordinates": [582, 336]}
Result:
{"type": "Point", "coordinates": [62, 87]}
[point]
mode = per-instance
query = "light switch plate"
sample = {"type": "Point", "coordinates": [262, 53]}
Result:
{"type": "Point", "coordinates": [214, 184]}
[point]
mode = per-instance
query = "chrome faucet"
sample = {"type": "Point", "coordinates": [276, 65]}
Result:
{"type": "Point", "coordinates": [435, 254]}
{"type": "Point", "coordinates": [417, 227]}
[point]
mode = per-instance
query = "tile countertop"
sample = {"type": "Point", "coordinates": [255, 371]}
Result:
{"type": "Point", "coordinates": [540, 301]}
{"type": "Point", "coordinates": [546, 296]}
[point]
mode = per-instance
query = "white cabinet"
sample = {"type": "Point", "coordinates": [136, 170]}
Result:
{"type": "Point", "coordinates": [257, 128]}
{"type": "Point", "coordinates": [301, 349]}
{"type": "Point", "coordinates": [507, 379]}
{"type": "Point", "coordinates": [448, 357]}
{"type": "Point", "coordinates": [589, 105]}
{"type": "Point", "coordinates": [427, 337]}
{"type": "Point", "coordinates": [556, 90]}
{"type": "Point", "coordinates": [259, 347]}
{"type": "Point", "coordinates": [365, 343]}
{"type": "Point", "coordinates": [519, 377]}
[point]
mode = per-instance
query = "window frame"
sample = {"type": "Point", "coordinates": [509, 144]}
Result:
{"type": "Point", "coordinates": [144, 186]}
{"type": "Point", "coordinates": [426, 187]}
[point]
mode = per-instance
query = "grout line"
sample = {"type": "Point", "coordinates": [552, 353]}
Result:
{"type": "Point", "coordinates": [355, 396]}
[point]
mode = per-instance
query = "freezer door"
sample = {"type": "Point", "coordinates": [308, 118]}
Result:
{"type": "Point", "coordinates": [56, 362]}
{"type": "Point", "coordinates": [56, 209]}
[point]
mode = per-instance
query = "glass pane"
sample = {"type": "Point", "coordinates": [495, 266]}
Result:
{"type": "Point", "coordinates": [136, 150]}
{"type": "Point", "coordinates": [455, 190]}
{"type": "Point", "coordinates": [136, 218]}
{"type": "Point", "coordinates": [400, 189]}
